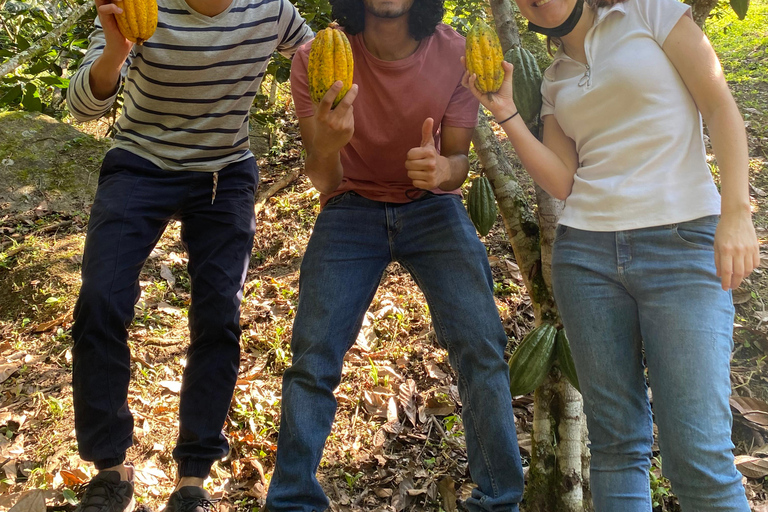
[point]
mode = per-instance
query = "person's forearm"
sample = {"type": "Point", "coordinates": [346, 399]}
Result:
{"type": "Point", "coordinates": [729, 142]}
{"type": "Point", "coordinates": [104, 77]}
{"type": "Point", "coordinates": [324, 170]}
{"type": "Point", "coordinates": [458, 167]}
{"type": "Point", "coordinates": [545, 167]}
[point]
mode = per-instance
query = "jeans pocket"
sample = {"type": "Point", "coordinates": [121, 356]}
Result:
{"type": "Point", "coordinates": [336, 199]}
{"type": "Point", "coordinates": [561, 232]}
{"type": "Point", "coordinates": [699, 233]}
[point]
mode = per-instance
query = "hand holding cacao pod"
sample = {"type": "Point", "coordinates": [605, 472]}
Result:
{"type": "Point", "coordinates": [138, 20]}
{"type": "Point", "coordinates": [501, 103]}
{"type": "Point", "coordinates": [334, 127]}
{"type": "Point", "coordinates": [330, 60]}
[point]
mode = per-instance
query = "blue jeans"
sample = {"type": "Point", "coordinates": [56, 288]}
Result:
{"type": "Point", "coordinates": [134, 202]}
{"type": "Point", "coordinates": [651, 291]}
{"type": "Point", "coordinates": [353, 241]}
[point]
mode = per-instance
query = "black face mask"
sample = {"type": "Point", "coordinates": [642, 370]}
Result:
{"type": "Point", "coordinates": [565, 28]}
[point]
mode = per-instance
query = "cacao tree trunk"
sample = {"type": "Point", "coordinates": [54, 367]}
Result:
{"type": "Point", "coordinates": [558, 479]}
{"type": "Point", "coordinates": [701, 10]}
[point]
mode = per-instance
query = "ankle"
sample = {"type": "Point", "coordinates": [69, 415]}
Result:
{"type": "Point", "coordinates": [120, 468]}
{"type": "Point", "coordinates": [187, 481]}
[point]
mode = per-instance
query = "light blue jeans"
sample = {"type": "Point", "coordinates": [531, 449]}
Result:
{"type": "Point", "coordinates": [353, 241]}
{"type": "Point", "coordinates": [651, 292]}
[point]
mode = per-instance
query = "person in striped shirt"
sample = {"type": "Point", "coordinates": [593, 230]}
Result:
{"type": "Point", "coordinates": [180, 152]}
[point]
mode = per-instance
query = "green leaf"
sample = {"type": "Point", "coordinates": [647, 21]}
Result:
{"type": "Point", "coordinates": [69, 495]}
{"type": "Point", "coordinates": [31, 100]}
{"type": "Point", "coordinates": [11, 96]}
{"type": "Point", "coordinates": [55, 81]}
{"type": "Point", "coordinates": [740, 7]}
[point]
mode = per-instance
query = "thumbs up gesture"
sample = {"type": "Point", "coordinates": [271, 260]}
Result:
{"type": "Point", "coordinates": [426, 168]}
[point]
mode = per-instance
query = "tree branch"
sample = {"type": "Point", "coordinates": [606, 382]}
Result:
{"type": "Point", "coordinates": [46, 42]}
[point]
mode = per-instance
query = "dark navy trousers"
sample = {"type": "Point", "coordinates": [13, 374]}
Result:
{"type": "Point", "coordinates": [134, 202]}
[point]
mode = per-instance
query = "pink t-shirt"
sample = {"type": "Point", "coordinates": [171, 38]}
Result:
{"type": "Point", "coordinates": [394, 98]}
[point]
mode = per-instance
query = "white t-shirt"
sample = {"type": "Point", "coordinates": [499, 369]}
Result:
{"type": "Point", "coordinates": [637, 130]}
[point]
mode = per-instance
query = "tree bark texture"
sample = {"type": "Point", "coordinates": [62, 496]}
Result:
{"type": "Point", "coordinates": [701, 10]}
{"type": "Point", "coordinates": [558, 479]}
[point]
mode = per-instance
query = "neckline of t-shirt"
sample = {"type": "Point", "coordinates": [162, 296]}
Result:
{"type": "Point", "coordinates": [600, 16]}
{"type": "Point", "coordinates": [393, 63]}
{"type": "Point", "coordinates": [202, 17]}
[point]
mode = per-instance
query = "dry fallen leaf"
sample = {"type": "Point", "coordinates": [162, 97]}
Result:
{"type": "Point", "coordinates": [75, 477]}
{"type": "Point", "coordinates": [7, 369]}
{"type": "Point", "coordinates": [752, 467]}
{"type": "Point", "coordinates": [171, 385]}
{"type": "Point", "coordinates": [447, 489]}
{"type": "Point", "coordinates": [166, 274]}
{"type": "Point", "coordinates": [32, 501]}
{"type": "Point", "coordinates": [434, 371]}
{"type": "Point", "coordinates": [409, 396]}
{"type": "Point", "coordinates": [751, 409]}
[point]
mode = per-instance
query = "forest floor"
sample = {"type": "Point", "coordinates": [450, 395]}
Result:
{"type": "Point", "coordinates": [397, 443]}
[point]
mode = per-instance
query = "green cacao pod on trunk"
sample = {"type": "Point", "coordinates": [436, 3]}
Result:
{"type": "Point", "coordinates": [564, 357]}
{"type": "Point", "coordinates": [481, 204]}
{"type": "Point", "coordinates": [532, 359]}
{"type": "Point", "coordinates": [526, 83]}
{"type": "Point", "coordinates": [330, 59]}
{"type": "Point", "coordinates": [483, 57]}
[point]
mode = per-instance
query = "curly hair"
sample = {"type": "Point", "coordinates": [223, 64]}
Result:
{"type": "Point", "coordinates": [424, 16]}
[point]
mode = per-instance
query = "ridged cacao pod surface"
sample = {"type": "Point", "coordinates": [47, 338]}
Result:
{"type": "Point", "coordinates": [481, 204]}
{"type": "Point", "coordinates": [483, 57]}
{"type": "Point", "coordinates": [565, 359]}
{"type": "Point", "coordinates": [526, 83]}
{"type": "Point", "coordinates": [330, 59]}
{"type": "Point", "coordinates": [138, 20]}
{"type": "Point", "coordinates": [532, 359]}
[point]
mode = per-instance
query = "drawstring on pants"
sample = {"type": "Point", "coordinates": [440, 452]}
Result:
{"type": "Point", "coordinates": [215, 184]}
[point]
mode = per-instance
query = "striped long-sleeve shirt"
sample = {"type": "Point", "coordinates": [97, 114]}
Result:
{"type": "Point", "coordinates": [188, 90]}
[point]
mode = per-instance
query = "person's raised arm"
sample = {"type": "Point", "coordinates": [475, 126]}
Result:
{"type": "Point", "coordinates": [736, 247]}
{"type": "Point", "coordinates": [553, 163]}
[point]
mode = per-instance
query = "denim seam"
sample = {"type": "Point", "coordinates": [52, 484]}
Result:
{"type": "Point", "coordinates": [109, 304]}
{"type": "Point", "coordinates": [436, 319]}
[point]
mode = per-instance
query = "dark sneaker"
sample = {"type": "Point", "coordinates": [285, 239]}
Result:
{"type": "Point", "coordinates": [107, 493]}
{"type": "Point", "coordinates": [190, 499]}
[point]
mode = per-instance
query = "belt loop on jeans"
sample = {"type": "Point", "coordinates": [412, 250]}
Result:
{"type": "Point", "coordinates": [215, 184]}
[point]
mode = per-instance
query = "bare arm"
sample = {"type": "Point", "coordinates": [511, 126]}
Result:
{"type": "Point", "coordinates": [736, 247]}
{"type": "Point", "coordinates": [323, 136]}
{"type": "Point", "coordinates": [553, 163]}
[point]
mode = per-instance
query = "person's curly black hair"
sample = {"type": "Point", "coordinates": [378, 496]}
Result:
{"type": "Point", "coordinates": [424, 16]}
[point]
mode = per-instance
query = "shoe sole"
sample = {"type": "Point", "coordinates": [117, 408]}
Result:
{"type": "Point", "coordinates": [130, 506]}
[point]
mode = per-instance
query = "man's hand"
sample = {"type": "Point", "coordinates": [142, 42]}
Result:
{"type": "Point", "coordinates": [334, 127]}
{"type": "Point", "coordinates": [426, 167]}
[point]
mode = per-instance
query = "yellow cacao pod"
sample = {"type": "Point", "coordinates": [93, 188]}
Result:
{"type": "Point", "coordinates": [138, 20]}
{"type": "Point", "coordinates": [483, 57]}
{"type": "Point", "coordinates": [330, 59]}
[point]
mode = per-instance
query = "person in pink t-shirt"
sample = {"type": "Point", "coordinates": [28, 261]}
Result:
{"type": "Point", "coordinates": [388, 162]}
